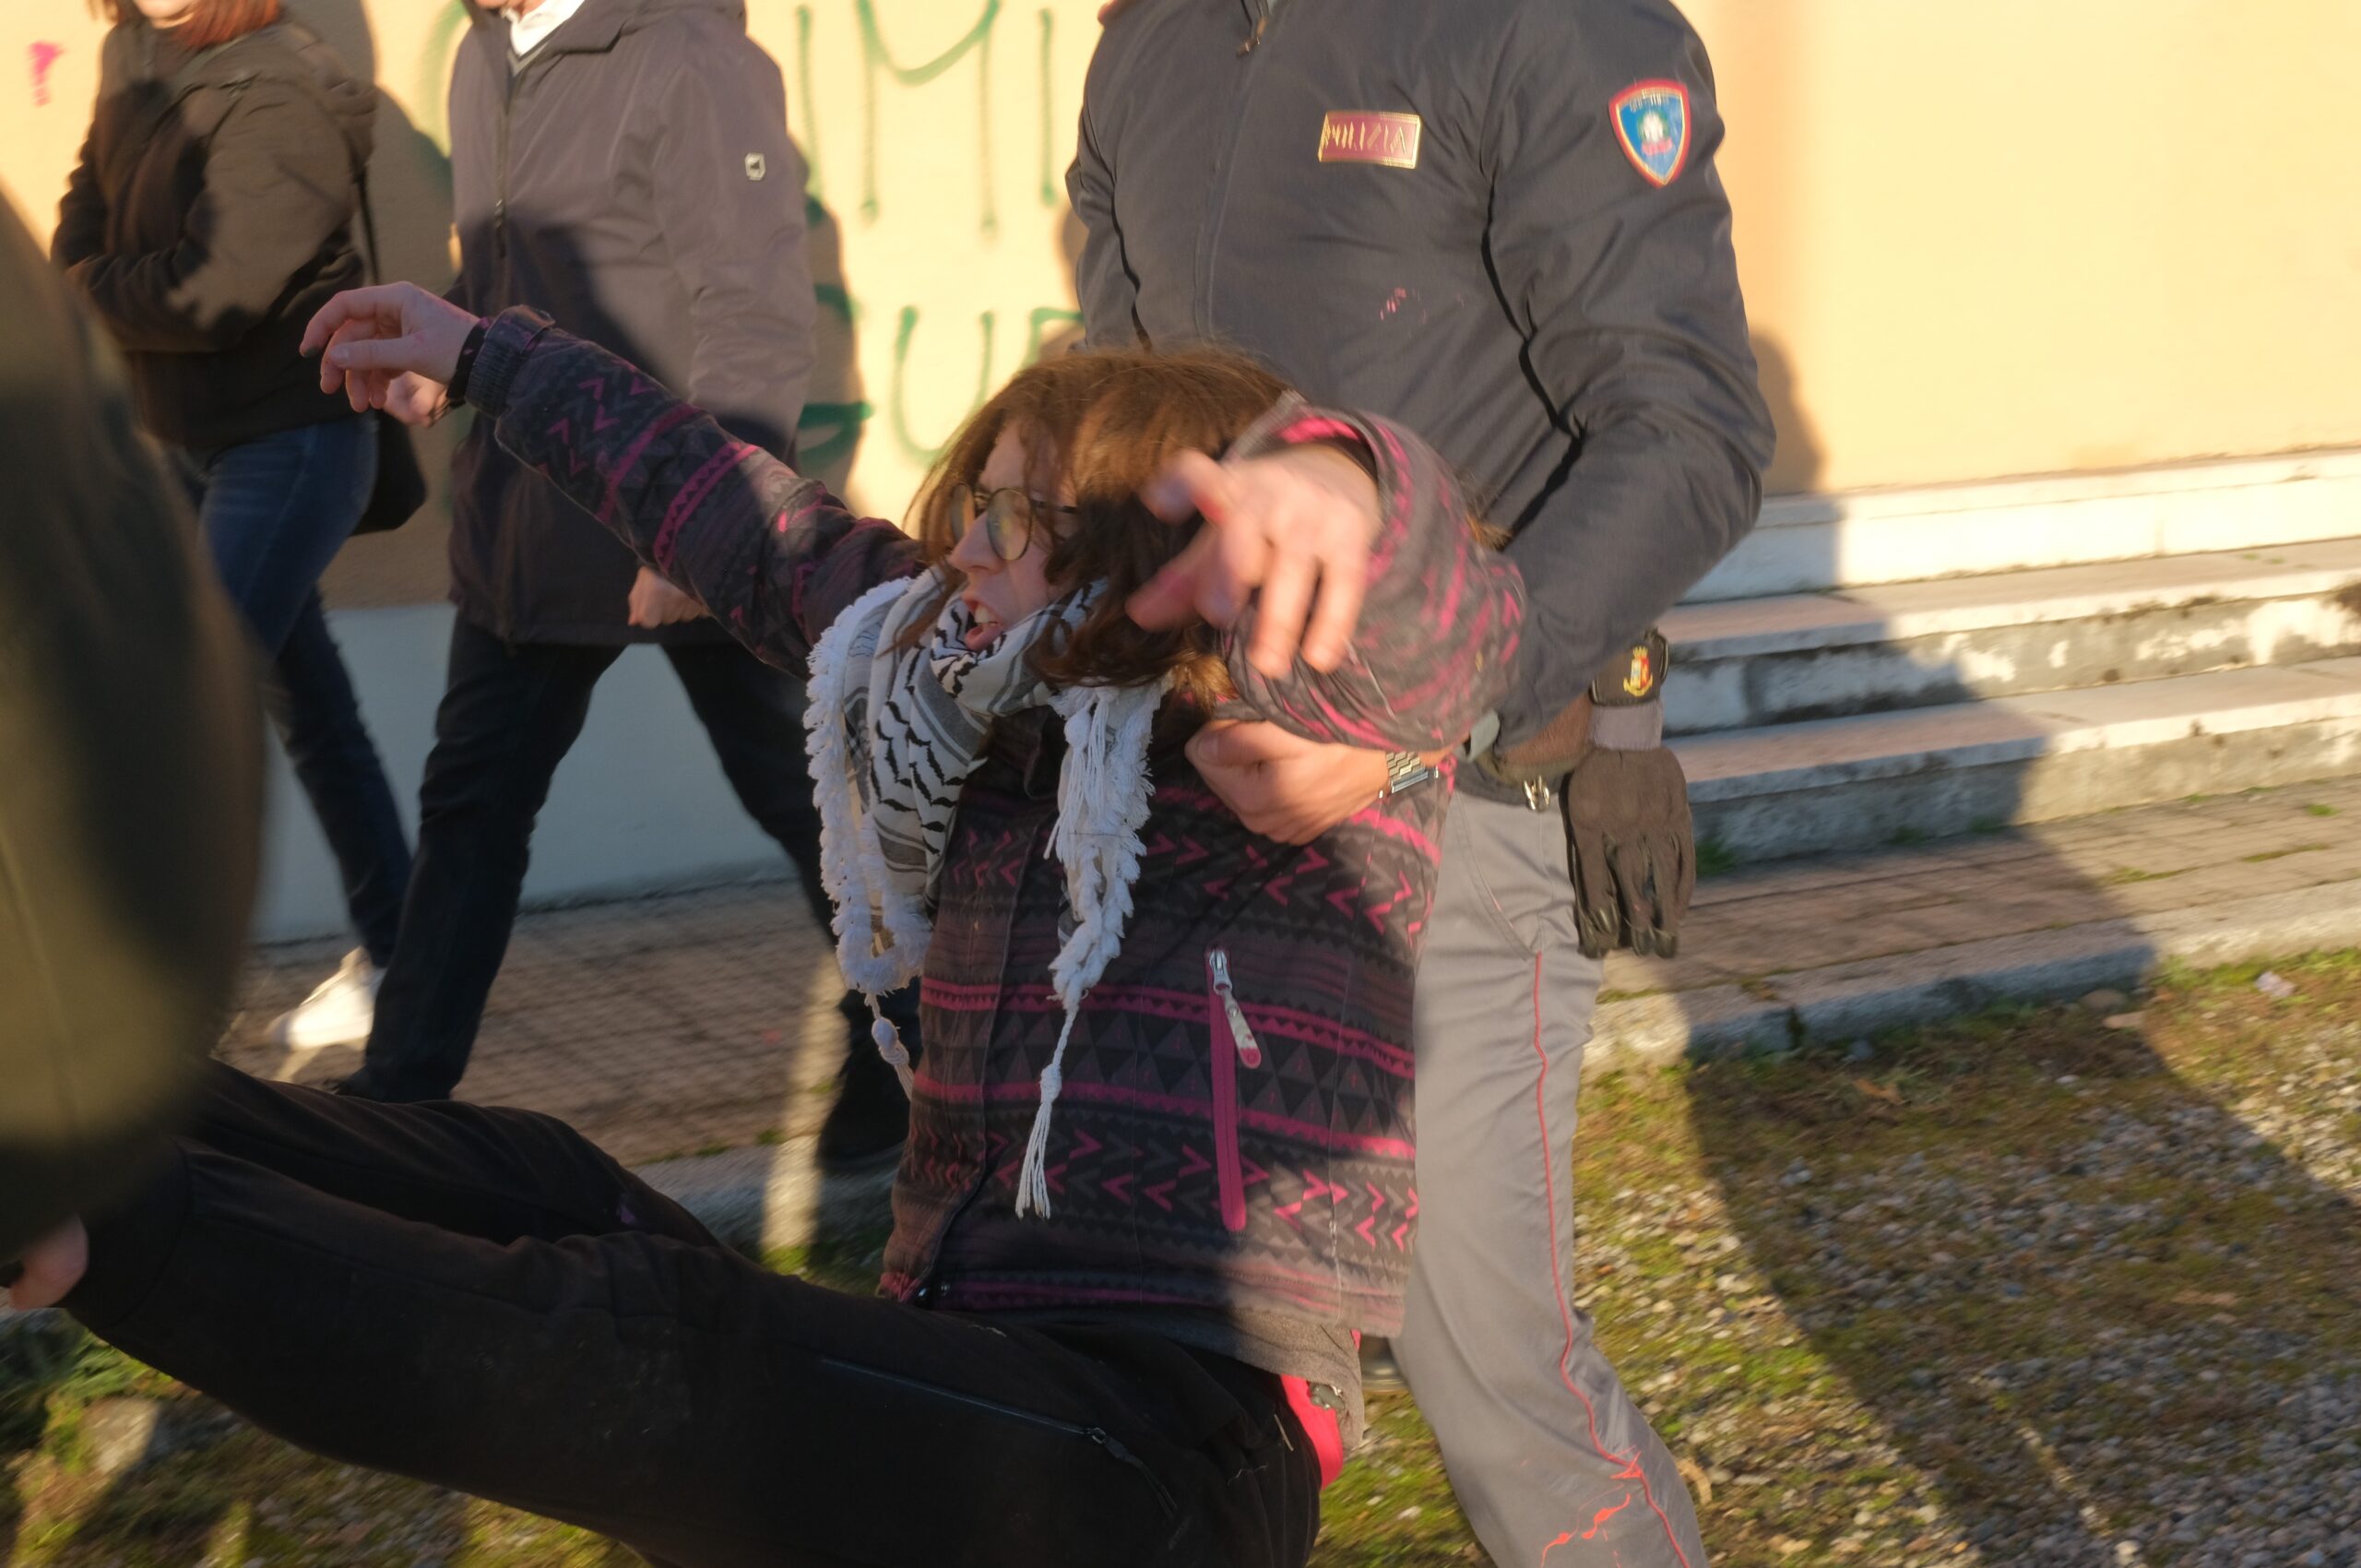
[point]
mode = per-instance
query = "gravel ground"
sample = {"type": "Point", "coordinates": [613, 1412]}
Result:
{"type": "Point", "coordinates": [2032, 1291]}
{"type": "Point", "coordinates": [2027, 1290]}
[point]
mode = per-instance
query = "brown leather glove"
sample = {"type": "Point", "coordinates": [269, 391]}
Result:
{"type": "Point", "coordinates": [1628, 841]}
{"type": "Point", "coordinates": [1630, 846]}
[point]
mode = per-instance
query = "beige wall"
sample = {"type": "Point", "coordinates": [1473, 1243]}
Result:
{"type": "Point", "coordinates": [2017, 236]}
{"type": "Point", "coordinates": [2028, 236]}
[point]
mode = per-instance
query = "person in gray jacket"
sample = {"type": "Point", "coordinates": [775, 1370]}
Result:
{"type": "Point", "coordinates": [1499, 222]}
{"type": "Point", "coordinates": [625, 166]}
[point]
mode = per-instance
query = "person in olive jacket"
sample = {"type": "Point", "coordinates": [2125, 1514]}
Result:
{"type": "Point", "coordinates": [211, 212]}
{"type": "Point", "coordinates": [624, 165]}
{"type": "Point", "coordinates": [131, 796]}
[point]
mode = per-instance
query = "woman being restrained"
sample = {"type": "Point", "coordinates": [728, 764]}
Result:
{"type": "Point", "coordinates": [1160, 1168]}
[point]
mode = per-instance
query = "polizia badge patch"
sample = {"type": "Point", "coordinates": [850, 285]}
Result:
{"type": "Point", "coordinates": [1652, 121]}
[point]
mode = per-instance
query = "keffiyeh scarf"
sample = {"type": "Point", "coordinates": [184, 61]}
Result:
{"type": "Point", "coordinates": [894, 733]}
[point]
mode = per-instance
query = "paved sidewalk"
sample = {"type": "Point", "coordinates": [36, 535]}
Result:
{"type": "Point", "coordinates": [707, 1020]}
{"type": "Point", "coordinates": [1858, 943]}
{"type": "Point", "coordinates": [660, 1027]}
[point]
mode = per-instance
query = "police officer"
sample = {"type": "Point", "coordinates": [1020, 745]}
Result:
{"type": "Point", "coordinates": [1499, 222]}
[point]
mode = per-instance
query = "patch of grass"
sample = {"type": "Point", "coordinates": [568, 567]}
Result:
{"type": "Point", "coordinates": [2185, 981]}
{"type": "Point", "coordinates": [1392, 1505]}
{"type": "Point", "coordinates": [2282, 854]}
{"type": "Point", "coordinates": [1905, 836]}
{"type": "Point", "coordinates": [841, 1263]}
{"type": "Point", "coordinates": [2124, 876]}
{"type": "Point", "coordinates": [1714, 858]}
{"type": "Point", "coordinates": [2320, 808]}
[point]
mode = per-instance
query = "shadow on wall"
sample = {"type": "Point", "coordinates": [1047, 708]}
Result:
{"type": "Point", "coordinates": [409, 197]}
{"type": "Point", "coordinates": [835, 410]}
{"type": "Point", "coordinates": [1797, 463]}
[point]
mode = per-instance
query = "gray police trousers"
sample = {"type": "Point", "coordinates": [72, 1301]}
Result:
{"type": "Point", "coordinates": [1551, 1459]}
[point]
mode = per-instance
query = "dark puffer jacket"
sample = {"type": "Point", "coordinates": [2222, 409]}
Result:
{"type": "Point", "coordinates": [1189, 1169]}
{"type": "Point", "coordinates": [210, 216]}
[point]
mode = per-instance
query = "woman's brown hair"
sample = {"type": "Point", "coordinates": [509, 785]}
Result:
{"type": "Point", "coordinates": [209, 21]}
{"type": "Point", "coordinates": [1102, 424]}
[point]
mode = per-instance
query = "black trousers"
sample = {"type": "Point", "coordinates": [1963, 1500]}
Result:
{"type": "Point", "coordinates": [510, 712]}
{"type": "Point", "coordinates": [481, 1298]}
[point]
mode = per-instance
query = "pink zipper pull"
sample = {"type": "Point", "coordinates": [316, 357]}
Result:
{"type": "Point", "coordinates": [1249, 1050]}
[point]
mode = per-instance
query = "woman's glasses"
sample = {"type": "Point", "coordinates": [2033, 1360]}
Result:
{"type": "Point", "coordinates": [1010, 516]}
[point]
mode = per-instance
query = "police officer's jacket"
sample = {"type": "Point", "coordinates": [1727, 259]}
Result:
{"type": "Point", "coordinates": [1496, 222]}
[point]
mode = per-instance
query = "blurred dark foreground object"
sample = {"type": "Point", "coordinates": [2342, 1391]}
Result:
{"type": "Point", "coordinates": [130, 772]}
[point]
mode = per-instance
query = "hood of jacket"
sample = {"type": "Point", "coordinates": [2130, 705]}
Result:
{"type": "Point", "coordinates": [290, 51]}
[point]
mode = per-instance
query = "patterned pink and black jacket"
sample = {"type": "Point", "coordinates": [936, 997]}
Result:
{"type": "Point", "coordinates": [1187, 1168]}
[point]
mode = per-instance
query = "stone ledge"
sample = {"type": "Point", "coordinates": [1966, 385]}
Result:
{"type": "Point", "coordinates": [1807, 543]}
{"type": "Point", "coordinates": [1845, 1001]}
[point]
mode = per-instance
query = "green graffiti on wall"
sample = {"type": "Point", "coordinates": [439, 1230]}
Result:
{"type": "Point", "coordinates": [1038, 333]}
{"type": "Point", "coordinates": [911, 447]}
{"type": "Point", "coordinates": [874, 56]}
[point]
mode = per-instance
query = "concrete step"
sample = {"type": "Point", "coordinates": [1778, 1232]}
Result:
{"type": "Point", "coordinates": [1845, 1001]}
{"type": "Point", "coordinates": [1924, 773]}
{"type": "Point", "coordinates": [1809, 542]}
{"type": "Point", "coordinates": [1840, 946]}
{"type": "Point", "coordinates": [1751, 662]}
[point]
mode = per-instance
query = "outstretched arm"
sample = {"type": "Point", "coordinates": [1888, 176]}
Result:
{"type": "Point", "coordinates": [775, 558]}
{"type": "Point", "coordinates": [771, 554]}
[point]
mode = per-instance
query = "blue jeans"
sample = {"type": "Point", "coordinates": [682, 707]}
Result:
{"type": "Point", "coordinates": [274, 512]}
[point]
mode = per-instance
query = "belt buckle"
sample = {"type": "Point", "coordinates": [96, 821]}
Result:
{"type": "Point", "coordinates": [1537, 795]}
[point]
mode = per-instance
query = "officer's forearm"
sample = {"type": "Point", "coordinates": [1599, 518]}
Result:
{"type": "Point", "coordinates": [1649, 508]}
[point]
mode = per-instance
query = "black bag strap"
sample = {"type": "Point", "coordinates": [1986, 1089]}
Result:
{"type": "Point", "coordinates": [368, 222]}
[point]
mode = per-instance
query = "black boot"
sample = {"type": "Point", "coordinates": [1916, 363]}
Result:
{"type": "Point", "coordinates": [1381, 1373]}
{"type": "Point", "coordinates": [871, 1120]}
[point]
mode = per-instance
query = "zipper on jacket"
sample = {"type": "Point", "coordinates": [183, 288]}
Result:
{"type": "Point", "coordinates": [1234, 1045]}
{"type": "Point", "coordinates": [1106, 1440]}
{"type": "Point", "coordinates": [500, 196]}
{"type": "Point", "coordinates": [1217, 197]}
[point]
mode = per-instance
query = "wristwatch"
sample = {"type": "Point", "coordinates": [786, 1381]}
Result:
{"type": "Point", "coordinates": [1406, 770]}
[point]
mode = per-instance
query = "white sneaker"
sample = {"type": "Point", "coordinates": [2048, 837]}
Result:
{"type": "Point", "coordinates": [338, 1011]}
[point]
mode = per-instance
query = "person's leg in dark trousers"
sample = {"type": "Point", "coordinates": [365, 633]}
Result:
{"type": "Point", "coordinates": [509, 714]}
{"type": "Point", "coordinates": [484, 1301]}
{"type": "Point", "coordinates": [274, 512]}
{"type": "Point", "coordinates": [333, 757]}
{"type": "Point", "coordinates": [754, 715]}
